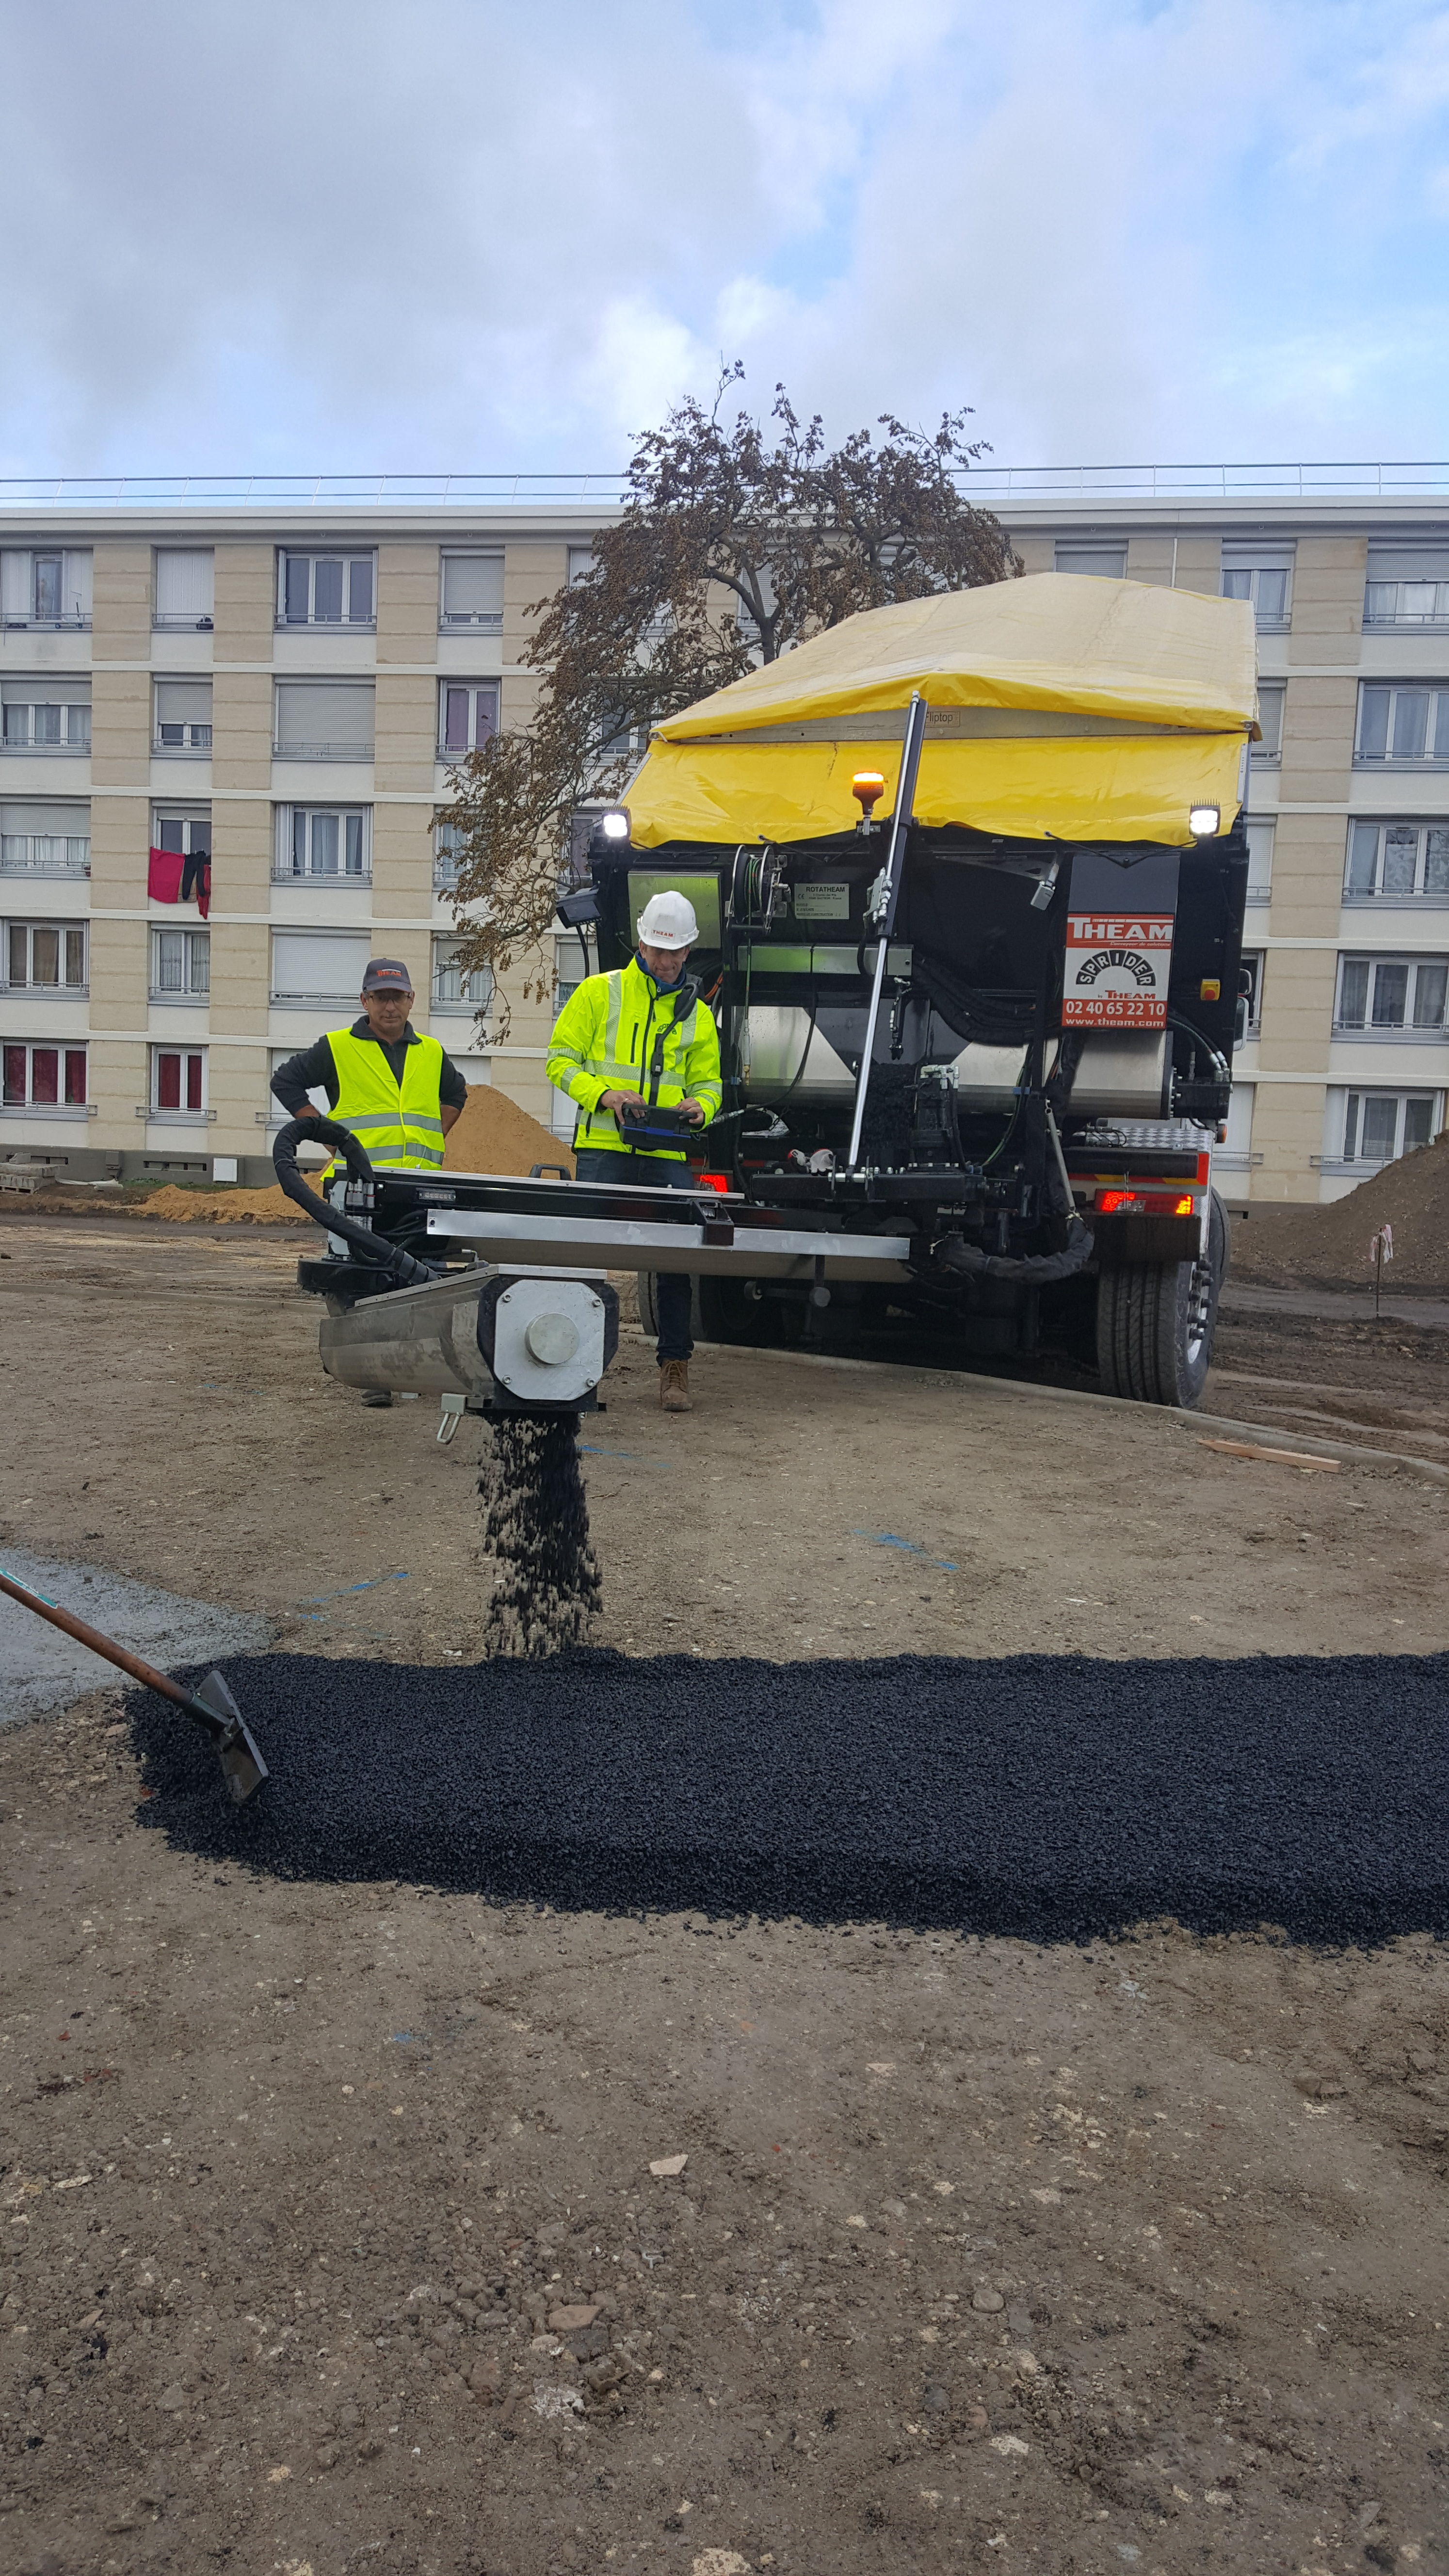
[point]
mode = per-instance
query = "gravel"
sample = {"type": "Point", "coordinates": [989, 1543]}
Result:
{"type": "Point", "coordinates": [536, 1527]}
{"type": "Point", "coordinates": [1044, 1796]}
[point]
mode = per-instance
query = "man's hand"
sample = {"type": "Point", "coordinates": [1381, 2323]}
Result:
{"type": "Point", "coordinates": [626, 1102]}
{"type": "Point", "coordinates": [693, 1111]}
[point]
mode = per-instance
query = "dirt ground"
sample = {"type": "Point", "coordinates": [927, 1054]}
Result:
{"type": "Point", "coordinates": [1130, 2257]}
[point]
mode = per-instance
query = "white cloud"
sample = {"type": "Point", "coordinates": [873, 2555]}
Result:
{"type": "Point", "coordinates": [464, 235]}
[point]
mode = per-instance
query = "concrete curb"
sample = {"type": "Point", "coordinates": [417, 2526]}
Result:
{"type": "Point", "coordinates": [1267, 1435]}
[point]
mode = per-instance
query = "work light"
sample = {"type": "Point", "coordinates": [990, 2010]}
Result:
{"type": "Point", "coordinates": [1202, 821]}
{"type": "Point", "coordinates": [615, 825]}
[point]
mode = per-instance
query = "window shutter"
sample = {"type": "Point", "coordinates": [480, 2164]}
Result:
{"type": "Point", "coordinates": [15, 600]}
{"type": "Point", "coordinates": [185, 581]}
{"type": "Point", "coordinates": [318, 965]}
{"type": "Point", "coordinates": [183, 702]}
{"type": "Point", "coordinates": [1264, 558]}
{"type": "Point", "coordinates": [1408, 563]}
{"type": "Point", "coordinates": [74, 820]}
{"type": "Point", "coordinates": [472, 585]}
{"type": "Point", "coordinates": [1107, 562]}
{"type": "Point", "coordinates": [325, 715]}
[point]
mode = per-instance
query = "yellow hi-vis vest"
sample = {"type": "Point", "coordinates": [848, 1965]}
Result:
{"type": "Point", "coordinates": [399, 1124]}
{"type": "Point", "coordinates": [616, 1033]}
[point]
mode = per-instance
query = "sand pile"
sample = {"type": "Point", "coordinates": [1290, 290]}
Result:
{"type": "Point", "coordinates": [495, 1135]}
{"type": "Point", "coordinates": [1287, 1247]}
{"type": "Point", "coordinates": [218, 1207]}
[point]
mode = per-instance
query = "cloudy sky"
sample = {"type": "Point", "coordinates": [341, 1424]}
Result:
{"type": "Point", "coordinates": [475, 235]}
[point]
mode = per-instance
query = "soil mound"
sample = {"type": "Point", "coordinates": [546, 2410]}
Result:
{"type": "Point", "coordinates": [1329, 1246]}
{"type": "Point", "coordinates": [218, 1207]}
{"type": "Point", "coordinates": [495, 1135]}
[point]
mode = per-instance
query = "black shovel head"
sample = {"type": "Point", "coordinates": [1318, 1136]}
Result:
{"type": "Point", "coordinates": [233, 1743]}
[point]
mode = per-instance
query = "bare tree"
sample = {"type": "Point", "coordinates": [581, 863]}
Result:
{"type": "Point", "coordinates": [731, 547]}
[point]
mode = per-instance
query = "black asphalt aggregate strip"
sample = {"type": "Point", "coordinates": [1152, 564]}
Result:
{"type": "Point", "coordinates": [1051, 1797]}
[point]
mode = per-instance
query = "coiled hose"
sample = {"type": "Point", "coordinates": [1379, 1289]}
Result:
{"type": "Point", "coordinates": [402, 1270]}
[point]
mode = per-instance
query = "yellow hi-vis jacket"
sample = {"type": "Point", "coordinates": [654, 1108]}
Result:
{"type": "Point", "coordinates": [617, 1032]}
{"type": "Point", "coordinates": [400, 1125]}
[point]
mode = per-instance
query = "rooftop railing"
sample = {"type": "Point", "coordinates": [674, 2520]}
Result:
{"type": "Point", "coordinates": [1342, 480]}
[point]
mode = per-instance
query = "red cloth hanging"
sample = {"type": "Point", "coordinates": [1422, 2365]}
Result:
{"type": "Point", "coordinates": [203, 892]}
{"type": "Point", "coordinates": [163, 876]}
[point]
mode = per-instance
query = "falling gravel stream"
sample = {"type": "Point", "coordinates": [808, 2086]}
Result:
{"type": "Point", "coordinates": [536, 1528]}
{"type": "Point", "coordinates": [1053, 1797]}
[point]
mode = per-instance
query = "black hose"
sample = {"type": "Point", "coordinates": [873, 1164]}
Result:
{"type": "Point", "coordinates": [401, 1268]}
{"type": "Point", "coordinates": [1030, 1270]}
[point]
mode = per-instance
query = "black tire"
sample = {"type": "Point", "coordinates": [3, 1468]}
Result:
{"type": "Point", "coordinates": [1155, 1326]}
{"type": "Point", "coordinates": [1220, 1239]}
{"type": "Point", "coordinates": [729, 1313]}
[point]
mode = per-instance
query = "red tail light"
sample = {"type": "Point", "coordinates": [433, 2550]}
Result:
{"type": "Point", "coordinates": [1145, 1203]}
{"type": "Point", "coordinates": [719, 1181]}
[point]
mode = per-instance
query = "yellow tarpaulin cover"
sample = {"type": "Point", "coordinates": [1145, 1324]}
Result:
{"type": "Point", "coordinates": [1060, 704]}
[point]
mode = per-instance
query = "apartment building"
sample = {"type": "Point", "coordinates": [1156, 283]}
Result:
{"type": "Point", "coordinates": [222, 745]}
{"type": "Point", "coordinates": [226, 730]}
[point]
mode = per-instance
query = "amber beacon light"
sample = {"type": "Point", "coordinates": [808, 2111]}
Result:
{"type": "Point", "coordinates": [867, 787]}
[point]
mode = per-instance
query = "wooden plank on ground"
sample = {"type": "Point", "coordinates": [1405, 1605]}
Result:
{"type": "Point", "coordinates": [1279, 1457]}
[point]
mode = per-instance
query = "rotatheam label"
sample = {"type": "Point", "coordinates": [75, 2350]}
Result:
{"type": "Point", "coordinates": [1116, 970]}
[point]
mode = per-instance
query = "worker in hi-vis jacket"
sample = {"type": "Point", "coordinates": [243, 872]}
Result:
{"type": "Point", "coordinates": [625, 1043]}
{"type": "Point", "coordinates": [398, 1092]}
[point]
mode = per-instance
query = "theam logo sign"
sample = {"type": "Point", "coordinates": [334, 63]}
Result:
{"type": "Point", "coordinates": [1117, 967]}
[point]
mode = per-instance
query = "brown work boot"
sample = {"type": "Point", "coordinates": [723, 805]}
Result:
{"type": "Point", "coordinates": [674, 1396]}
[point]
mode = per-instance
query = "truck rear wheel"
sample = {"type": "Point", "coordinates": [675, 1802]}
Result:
{"type": "Point", "coordinates": [1155, 1331]}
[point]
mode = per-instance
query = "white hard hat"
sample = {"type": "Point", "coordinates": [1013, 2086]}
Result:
{"type": "Point", "coordinates": [667, 921]}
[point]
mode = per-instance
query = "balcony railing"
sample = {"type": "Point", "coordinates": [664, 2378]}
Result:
{"type": "Point", "coordinates": [355, 751]}
{"type": "Point", "coordinates": [282, 875]}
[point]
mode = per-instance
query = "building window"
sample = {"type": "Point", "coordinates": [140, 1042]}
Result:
{"type": "Point", "coordinates": [1406, 587]}
{"type": "Point", "coordinates": [1107, 562]}
{"type": "Point", "coordinates": [44, 1077]}
{"type": "Point", "coordinates": [1260, 858]}
{"type": "Point", "coordinates": [45, 840]}
{"type": "Point", "coordinates": [1397, 862]}
{"type": "Point", "coordinates": [324, 843]}
{"type": "Point", "coordinates": [1250, 991]}
{"type": "Point", "coordinates": [184, 587]}
{"type": "Point", "coordinates": [1264, 576]}
{"type": "Point", "coordinates": [1409, 721]}
{"type": "Point", "coordinates": [319, 966]}
{"type": "Point", "coordinates": [180, 965]}
{"type": "Point", "coordinates": [46, 715]}
{"type": "Point", "coordinates": [324, 720]}
{"type": "Point", "coordinates": [1379, 1126]}
{"type": "Point", "coordinates": [452, 989]}
{"type": "Point", "coordinates": [1271, 694]}
{"type": "Point", "coordinates": [447, 842]}
{"type": "Point", "coordinates": [45, 957]}
{"type": "Point", "coordinates": [467, 716]}
{"type": "Point", "coordinates": [1236, 1153]}
{"type": "Point", "coordinates": [45, 586]}
{"type": "Point", "coordinates": [326, 589]}
{"type": "Point", "coordinates": [1386, 993]}
{"type": "Point", "coordinates": [178, 1082]}
{"type": "Point", "coordinates": [183, 715]}
{"type": "Point", "coordinates": [472, 593]}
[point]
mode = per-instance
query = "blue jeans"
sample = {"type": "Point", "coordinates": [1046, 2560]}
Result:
{"type": "Point", "coordinates": [674, 1288]}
